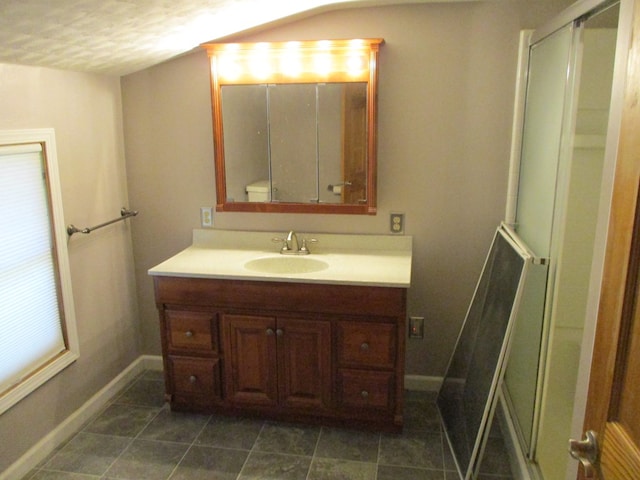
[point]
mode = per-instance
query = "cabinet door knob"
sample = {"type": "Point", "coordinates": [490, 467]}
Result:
{"type": "Point", "coordinates": [364, 347]}
{"type": "Point", "coordinates": [279, 332]}
{"type": "Point", "coordinates": [270, 331]}
{"type": "Point", "coordinates": [188, 334]}
{"type": "Point", "coordinates": [364, 394]}
{"type": "Point", "coordinates": [193, 379]}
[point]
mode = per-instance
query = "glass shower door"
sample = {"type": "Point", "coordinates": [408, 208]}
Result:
{"type": "Point", "coordinates": [547, 100]}
{"type": "Point", "coordinates": [541, 142]}
{"type": "Point", "coordinates": [568, 97]}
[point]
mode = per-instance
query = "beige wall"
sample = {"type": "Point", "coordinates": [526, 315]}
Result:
{"type": "Point", "coordinates": [447, 77]}
{"type": "Point", "coordinates": [85, 111]}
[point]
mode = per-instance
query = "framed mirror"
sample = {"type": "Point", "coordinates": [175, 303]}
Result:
{"type": "Point", "coordinates": [294, 126]}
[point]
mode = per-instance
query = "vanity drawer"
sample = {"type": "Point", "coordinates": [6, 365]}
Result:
{"type": "Point", "coordinates": [192, 331]}
{"type": "Point", "coordinates": [366, 389]}
{"type": "Point", "coordinates": [195, 376]}
{"type": "Point", "coordinates": [365, 344]}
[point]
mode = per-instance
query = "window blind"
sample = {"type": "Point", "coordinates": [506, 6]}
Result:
{"type": "Point", "coordinates": [31, 332]}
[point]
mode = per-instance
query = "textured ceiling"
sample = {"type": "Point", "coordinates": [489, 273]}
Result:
{"type": "Point", "coordinates": [123, 36]}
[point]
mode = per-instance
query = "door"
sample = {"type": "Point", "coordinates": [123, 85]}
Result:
{"type": "Point", "coordinates": [540, 196]}
{"type": "Point", "coordinates": [250, 359]}
{"type": "Point", "coordinates": [304, 363]}
{"type": "Point", "coordinates": [270, 362]}
{"type": "Point", "coordinates": [354, 161]}
{"type": "Point", "coordinates": [614, 387]}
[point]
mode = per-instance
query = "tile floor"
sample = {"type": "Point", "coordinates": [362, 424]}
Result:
{"type": "Point", "coordinates": [137, 437]}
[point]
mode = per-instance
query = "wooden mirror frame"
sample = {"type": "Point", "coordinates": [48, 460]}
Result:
{"type": "Point", "coordinates": [337, 49]}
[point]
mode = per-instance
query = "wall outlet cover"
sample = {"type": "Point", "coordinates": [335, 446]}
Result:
{"type": "Point", "coordinates": [206, 217]}
{"type": "Point", "coordinates": [396, 223]}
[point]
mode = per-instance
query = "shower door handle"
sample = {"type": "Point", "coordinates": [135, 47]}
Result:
{"type": "Point", "coordinates": [586, 451]}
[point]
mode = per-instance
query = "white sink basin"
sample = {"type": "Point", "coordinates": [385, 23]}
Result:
{"type": "Point", "coordinates": [286, 265]}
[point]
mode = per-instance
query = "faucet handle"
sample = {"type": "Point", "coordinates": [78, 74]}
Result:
{"type": "Point", "coordinates": [285, 247]}
{"type": "Point", "coordinates": [304, 249]}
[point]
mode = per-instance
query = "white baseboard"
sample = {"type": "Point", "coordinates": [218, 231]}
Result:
{"type": "Point", "coordinates": [422, 383]}
{"type": "Point", "coordinates": [74, 422]}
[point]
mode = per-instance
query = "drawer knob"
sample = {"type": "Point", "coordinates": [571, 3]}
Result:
{"type": "Point", "coordinates": [193, 379]}
{"type": "Point", "coordinates": [270, 331]}
{"type": "Point", "coordinates": [279, 332]}
{"type": "Point", "coordinates": [188, 334]}
{"type": "Point", "coordinates": [364, 394]}
{"type": "Point", "coordinates": [364, 347]}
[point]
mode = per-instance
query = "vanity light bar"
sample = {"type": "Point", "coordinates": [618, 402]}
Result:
{"type": "Point", "coordinates": [293, 62]}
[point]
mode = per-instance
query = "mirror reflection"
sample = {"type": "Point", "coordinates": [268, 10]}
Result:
{"type": "Point", "coordinates": [295, 126]}
{"type": "Point", "coordinates": [301, 143]}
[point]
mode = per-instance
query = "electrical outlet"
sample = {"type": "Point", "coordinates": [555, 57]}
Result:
{"type": "Point", "coordinates": [416, 327]}
{"type": "Point", "coordinates": [396, 223]}
{"type": "Point", "coordinates": [206, 217]}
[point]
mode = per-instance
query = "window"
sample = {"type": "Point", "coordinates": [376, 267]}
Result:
{"type": "Point", "coordinates": [37, 323]}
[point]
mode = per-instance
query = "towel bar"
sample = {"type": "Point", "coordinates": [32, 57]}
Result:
{"type": "Point", "coordinates": [124, 213]}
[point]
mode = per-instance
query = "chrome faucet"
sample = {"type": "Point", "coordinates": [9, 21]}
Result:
{"type": "Point", "coordinates": [291, 246]}
{"type": "Point", "coordinates": [291, 236]}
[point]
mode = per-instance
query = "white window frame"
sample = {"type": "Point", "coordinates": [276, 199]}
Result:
{"type": "Point", "coordinates": [46, 138]}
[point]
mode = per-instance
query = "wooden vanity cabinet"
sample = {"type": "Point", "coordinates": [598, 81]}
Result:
{"type": "Point", "coordinates": [276, 361]}
{"type": "Point", "coordinates": [331, 354]}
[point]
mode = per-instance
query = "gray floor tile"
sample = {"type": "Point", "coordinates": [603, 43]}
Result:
{"type": "Point", "coordinates": [122, 420]}
{"type": "Point", "coordinates": [147, 460]}
{"type": "Point", "coordinates": [449, 462]}
{"type": "Point", "coordinates": [451, 475]}
{"type": "Point", "coordinates": [284, 438]}
{"type": "Point", "coordinates": [138, 438]}
{"type": "Point", "coordinates": [271, 466]}
{"type": "Point", "coordinates": [348, 445]}
{"type": "Point", "coordinates": [143, 392]}
{"type": "Point", "coordinates": [412, 450]}
{"type": "Point", "coordinates": [387, 472]}
{"type": "Point", "coordinates": [208, 463]}
{"type": "Point", "coordinates": [230, 432]}
{"type": "Point", "coordinates": [153, 375]}
{"type": "Point", "coordinates": [88, 453]}
{"type": "Point", "coordinates": [333, 469]}
{"type": "Point", "coordinates": [420, 412]}
{"type": "Point", "coordinates": [45, 475]}
{"type": "Point", "coordinates": [495, 459]}
{"type": "Point", "coordinates": [175, 427]}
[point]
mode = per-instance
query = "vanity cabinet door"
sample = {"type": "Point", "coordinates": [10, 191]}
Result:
{"type": "Point", "coordinates": [363, 344]}
{"type": "Point", "coordinates": [250, 359]}
{"type": "Point", "coordinates": [304, 363]}
{"type": "Point", "coordinates": [195, 377]}
{"type": "Point", "coordinates": [191, 331]}
{"type": "Point", "coordinates": [366, 389]}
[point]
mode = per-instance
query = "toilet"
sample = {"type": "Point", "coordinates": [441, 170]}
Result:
{"type": "Point", "coordinates": [258, 191]}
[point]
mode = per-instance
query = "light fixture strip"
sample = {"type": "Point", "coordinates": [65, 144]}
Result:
{"type": "Point", "coordinates": [293, 62]}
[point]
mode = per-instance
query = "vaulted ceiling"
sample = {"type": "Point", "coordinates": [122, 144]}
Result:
{"type": "Point", "coordinates": [118, 37]}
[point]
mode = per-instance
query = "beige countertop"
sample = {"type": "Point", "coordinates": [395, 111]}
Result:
{"type": "Point", "coordinates": [373, 260]}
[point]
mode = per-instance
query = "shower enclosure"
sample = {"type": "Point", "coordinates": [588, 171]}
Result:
{"type": "Point", "coordinates": [567, 132]}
